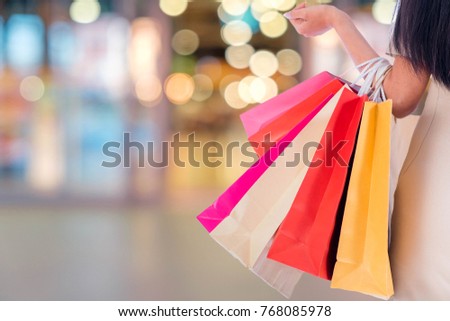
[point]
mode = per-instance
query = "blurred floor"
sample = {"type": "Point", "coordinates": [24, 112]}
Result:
{"type": "Point", "coordinates": [128, 253]}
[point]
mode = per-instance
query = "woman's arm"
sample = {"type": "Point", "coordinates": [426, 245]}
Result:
{"type": "Point", "coordinates": [403, 85]}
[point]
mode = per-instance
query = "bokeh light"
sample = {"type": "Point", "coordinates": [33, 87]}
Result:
{"type": "Point", "coordinates": [85, 11]}
{"type": "Point", "coordinates": [173, 7]}
{"type": "Point", "coordinates": [263, 63]}
{"type": "Point", "coordinates": [383, 11]}
{"type": "Point", "coordinates": [270, 89]}
{"type": "Point", "coordinates": [232, 96]}
{"type": "Point", "coordinates": [24, 42]}
{"type": "Point", "coordinates": [236, 33]}
{"type": "Point", "coordinates": [179, 88]}
{"type": "Point", "coordinates": [32, 88]}
{"type": "Point", "coordinates": [235, 7]}
{"type": "Point", "coordinates": [185, 42]}
{"type": "Point", "coordinates": [239, 56]}
{"type": "Point", "coordinates": [148, 90]}
{"type": "Point", "coordinates": [281, 5]}
{"type": "Point", "coordinates": [211, 67]}
{"type": "Point", "coordinates": [204, 87]}
{"type": "Point", "coordinates": [145, 48]}
{"type": "Point", "coordinates": [289, 62]}
{"type": "Point", "coordinates": [226, 80]}
{"type": "Point", "coordinates": [273, 24]}
{"type": "Point", "coordinates": [254, 89]}
{"type": "Point", "coordinates": [224, 16]}
{"type": "Point", "coordinates": [244, 89]}
{"type": "Point", "coordinates": [259, 8]}
{"type": "Point", "coordinates": [262, 89]}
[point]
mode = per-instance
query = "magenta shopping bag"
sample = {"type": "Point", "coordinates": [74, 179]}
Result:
{"type": "Point", "coordinates": [221, 208]}
{"type": "Point", "coordinates": [260, 116]}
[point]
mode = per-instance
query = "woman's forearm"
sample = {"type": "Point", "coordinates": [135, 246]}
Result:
{"type": "Point", "coordinates": [403, 85]}
{"type": "Point", "coordinates": [353, 41]}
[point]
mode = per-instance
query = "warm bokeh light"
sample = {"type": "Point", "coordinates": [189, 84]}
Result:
{"type": "Point", "coordinates": [383, 11]}
{"type": "Point", "coordinates": [258, 90]}
{"type": "Point", "coordinates": [232, 96]}
{"type": "Point", "coordinates": [289, 62]}
{"type": "Point", "coordinates": [259, 8]}
{"type": "Point", "coordinates": [211, 67]}
{"type": "Point", "coordinates": [239, 56]}
{"type": "Point", "coordinates": [173, 7]}
{"type": "Point", "coordinates": [224, 16]}
{"type": "Point", "coordinates": [226, 80]}
{"type": "Point", "coordinates": [179, 88]}
{"type": "Point", "coordinates": [253, 89]}
{"type": "Point", "coordinates": [32, 88]}
{"type": "Point", "coordinates": [281, 5]}
{"type": "Point", "coordinates": [204, 87]}
{"type": "Point", "coordinates": [145, 48]}
{"type": "Point", "coordinates": [244, 89]}
{"type": "Point", "coordinates": [148, 90]}
{"type": "Point", "coordinates": [270, 89]}
{"type": "Point", "coordinates": [263, 63]}
{"type": "Point", "coordinates": [273, 24]}
{"type": "Point", "coordinates": [85, 11]}
{"type": "Point", "coordinates": [235, 7]}
{"type": "Point", "coordinates": [236, 33]}
{"type": "Point", "coordinates": [185, 42]}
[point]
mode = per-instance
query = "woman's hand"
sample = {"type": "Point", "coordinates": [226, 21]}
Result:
{"type": "Point", "coordinates": [312, 20]}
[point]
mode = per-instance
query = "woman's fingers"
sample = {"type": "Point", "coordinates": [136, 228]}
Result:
{"type": "Point", "coordinates": [297, 12]}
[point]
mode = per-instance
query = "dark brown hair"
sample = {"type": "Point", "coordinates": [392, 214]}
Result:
{"type": "Point", "coordinates": [422, 34]}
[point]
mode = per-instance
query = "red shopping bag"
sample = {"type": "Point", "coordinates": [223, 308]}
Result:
{"type": "Point", "coordinates": [304, 237]}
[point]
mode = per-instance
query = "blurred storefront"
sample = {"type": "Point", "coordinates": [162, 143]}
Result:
{"type": "Point", "coordinates": [76, 75]}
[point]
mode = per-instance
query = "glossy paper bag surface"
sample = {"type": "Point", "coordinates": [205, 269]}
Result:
{"type": "Point", "coordinates": [304, 237]}
{"type": "Point", "coordinates": [222, 207]}
{"type": "Point", "coordinates": [254, 220]}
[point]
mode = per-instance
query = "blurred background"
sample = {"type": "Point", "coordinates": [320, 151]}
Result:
{"type": "Point", "coordinates": [76, 75]}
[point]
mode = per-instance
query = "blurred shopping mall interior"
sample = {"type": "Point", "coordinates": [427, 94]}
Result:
{"type": "Point", "coordinates": [92, 205]}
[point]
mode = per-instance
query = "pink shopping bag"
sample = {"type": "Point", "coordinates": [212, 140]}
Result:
{"type": "Point", "coordinates": [222, 207]}
{"type": "Point", "coordinates": [260, 116]}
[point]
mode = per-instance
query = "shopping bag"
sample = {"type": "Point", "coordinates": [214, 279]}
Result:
{"type": "Point", "coordinates": [247, 232]}
{"type": "Point", "coordinates": [259, 116]}
{"type": "Point", "coordinates": [303, 239]}
{"type": "Point", "coordinates": [271, 132]}
{"type": "Point", "coordinates": [222, 207]}
{"type": "Point", "coordinates": [280, 277]}
{"type": "Point", "coordinates": [362, 257]}
{"type": "Point", "coordinates": [254, 220]}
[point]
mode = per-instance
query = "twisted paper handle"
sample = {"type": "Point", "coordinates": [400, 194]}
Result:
{"type": "Point", "coordinates": [373, 74]}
